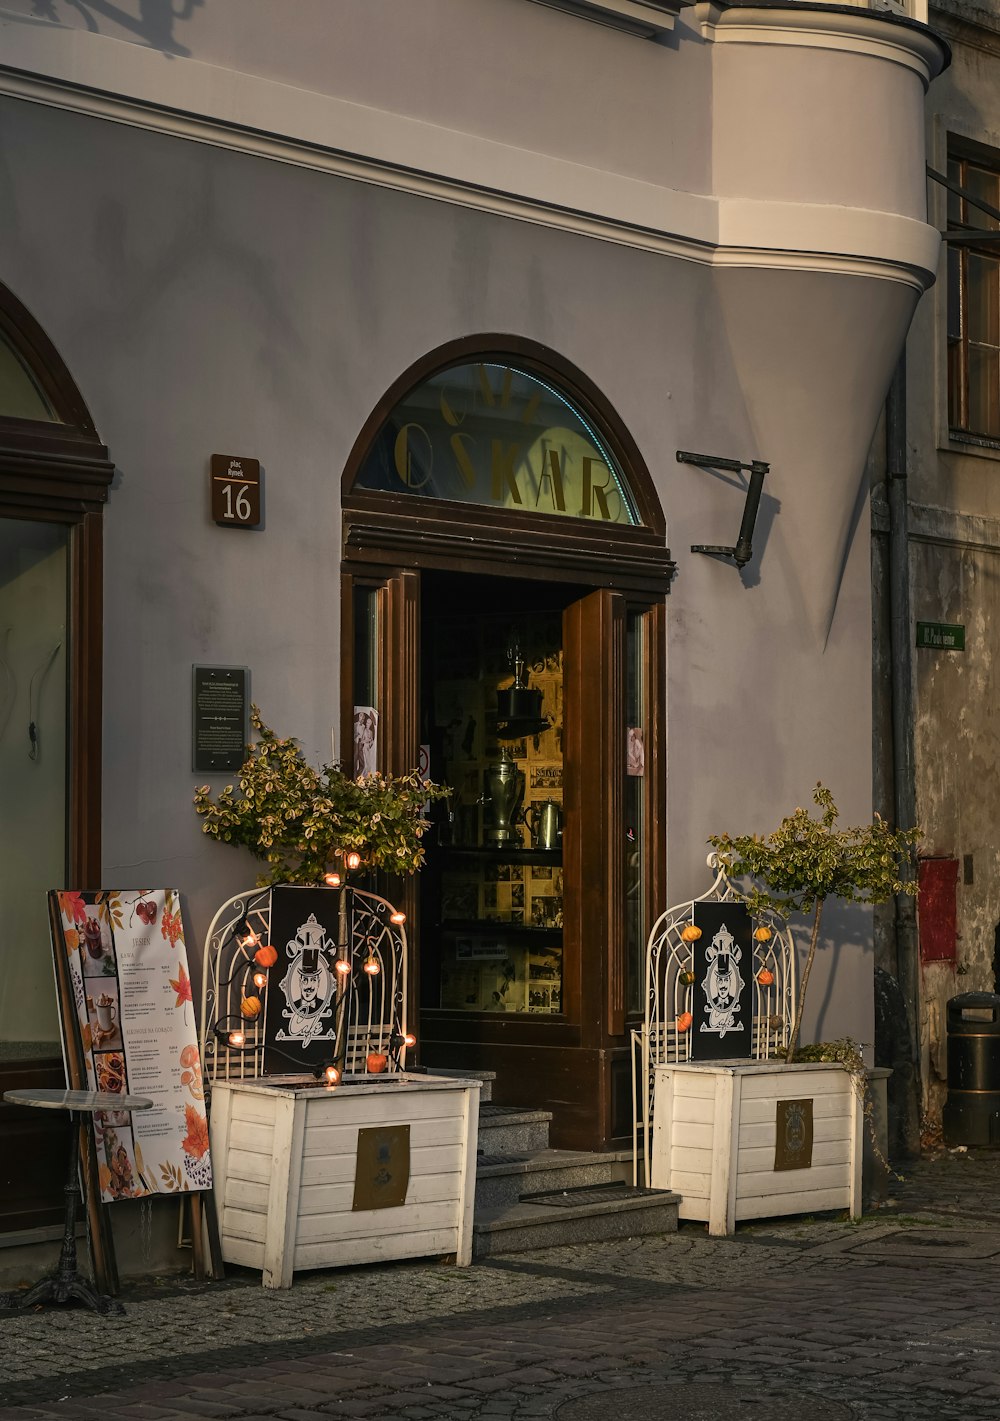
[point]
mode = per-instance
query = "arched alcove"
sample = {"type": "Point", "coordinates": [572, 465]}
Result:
{"type": "Point", "coordinates": [54, 480]}
{"type": "Point", "coordinates": [496, 511]}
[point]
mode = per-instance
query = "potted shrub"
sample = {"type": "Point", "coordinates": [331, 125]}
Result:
{"type": "Point", "coordinates": [758, 1139]}
{"type": "Point", "coordinates": [307, 823]}
{"type": "Point", "coordinates": [808, 860]}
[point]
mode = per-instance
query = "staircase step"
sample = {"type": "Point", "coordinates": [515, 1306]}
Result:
{"type": "Point", "coordinates": [502, 1181]}
{"type": "Point", "coordinates": [458, 1073]}
{"type": "Point", "coordinates": [625, 1213]}
{"type": "Point", "coordinates": [509, 1130]}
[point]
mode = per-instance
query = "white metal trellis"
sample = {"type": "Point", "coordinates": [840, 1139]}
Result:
{"type": "Point", "coordinates": [372, 1017]}
{"type": "Point", "coordinates": [668, 994]}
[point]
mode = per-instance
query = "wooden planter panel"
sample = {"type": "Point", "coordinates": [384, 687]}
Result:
{"type": "Point", "coordinates": [714, 1138]}
{"type": "Point", "coordinates": [285, 1163]}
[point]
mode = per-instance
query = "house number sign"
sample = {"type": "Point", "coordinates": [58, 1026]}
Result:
{"type": "Point", "coordinates": [235, 491]}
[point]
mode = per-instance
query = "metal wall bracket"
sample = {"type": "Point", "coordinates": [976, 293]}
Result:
{"type": "Point", "coordinates": [743, 551]}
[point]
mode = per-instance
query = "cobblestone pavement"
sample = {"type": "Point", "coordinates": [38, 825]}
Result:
{"type": "Point", "coordinates": [891, 1318]}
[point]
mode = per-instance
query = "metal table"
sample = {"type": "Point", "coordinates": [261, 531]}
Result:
{"type": "Point", "coordinates": [66, 1284]}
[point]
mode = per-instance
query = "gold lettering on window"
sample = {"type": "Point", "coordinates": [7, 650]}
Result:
{"type": "Point", "coordinates": [403, 457]}
{"type": "Point", "coordinates": [552, 477]}
{"type": "Point", "coordinates": [489, 397]}
{"type": "Point", "coordinates": [597, 492]}
{"type": "Point", "coordinates": [504, 479]}
{"type": "Point", "coordinates": [462, 459]}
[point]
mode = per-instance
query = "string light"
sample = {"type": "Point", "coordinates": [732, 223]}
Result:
{"type": "Point", "coordinates": [342, 966]}
{"type": "Point", "coordinates": [332, 880]}
{"type": "Point", "coordinates": [397, 918]}
{"type": "Point", "coordinates": [372, 967]}
{"type": "Point", "coordinates": [237, 1038]}
{"type": "Point", "coordinates": [409, 1039]}
{"type": "Point", "coordinates": [353, 860]}
{"type": "Point", "coordinates": [332, 1074]}
{"type": "Point", "coordinates": [260, 979]}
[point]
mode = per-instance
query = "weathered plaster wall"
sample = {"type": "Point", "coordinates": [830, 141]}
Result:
{"type": "Point", "coordinates": [955, 572]}
{"type": "Point", "coordinates": [209, 302]}
{"type": "Point", "coordinates": [514, 72]}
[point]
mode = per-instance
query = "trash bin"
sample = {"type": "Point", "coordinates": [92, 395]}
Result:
{"type": "Point", "coordinates": [972, 1110]}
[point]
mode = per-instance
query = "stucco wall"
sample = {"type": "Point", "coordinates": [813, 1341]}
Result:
{"type": "Point", "coordinates": [209, 302]}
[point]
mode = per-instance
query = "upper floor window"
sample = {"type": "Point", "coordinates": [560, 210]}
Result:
{"type": "Point", "coordinates": [974, 302]}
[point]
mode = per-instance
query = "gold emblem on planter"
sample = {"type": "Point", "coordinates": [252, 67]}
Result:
{"type": "Point", "coordinates": [382, 1172]}
{"type": "Point", "coordinates": [793, 1134]}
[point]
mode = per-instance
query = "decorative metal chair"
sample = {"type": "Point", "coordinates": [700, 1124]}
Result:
{"type": "Point", "coordinates": [370, 974]}
{"type": "Point", "coordinates": [668, 995]}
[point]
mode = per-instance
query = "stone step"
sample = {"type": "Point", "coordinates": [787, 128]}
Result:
{"type": "Point", "coordinates": [501, 1181]}
{"type": "Point", "coordinates": [457, 1073]}
{"type": "Point", "coordinates": [509, 1130]}
{"type": "Point", "coordinates": [528, 1225]}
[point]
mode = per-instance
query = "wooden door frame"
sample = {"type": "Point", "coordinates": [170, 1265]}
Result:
{"type": "Point", "coordinates": [59, 472]}
{"type": "Point", "coordinates": [390, 539]}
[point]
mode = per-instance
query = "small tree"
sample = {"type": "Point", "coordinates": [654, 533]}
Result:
{"type": "Point", "coordinates": [808, 860]}
{"type": "Point", "coordinates": [300, 820]}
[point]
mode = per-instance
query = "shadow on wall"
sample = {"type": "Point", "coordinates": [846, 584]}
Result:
{"type": "Point", "coordinates": [839, 930]}
{"type": "Point", "coordinates": [151, 21]}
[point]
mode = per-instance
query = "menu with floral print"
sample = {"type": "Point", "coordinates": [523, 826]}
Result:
{"type": "Point", "coordinates": [128, 971]}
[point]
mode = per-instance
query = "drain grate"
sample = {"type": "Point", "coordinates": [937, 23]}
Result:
{"type": "Point", "coordinates": [694, 1401]}
{"type": "Point", "coordinates": [588, 1194]}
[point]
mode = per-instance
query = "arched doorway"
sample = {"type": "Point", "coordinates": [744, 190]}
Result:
{"type": "Point", "coordinates": [504, 576]}
{"type": "Point", "coordinates": [54, 478]}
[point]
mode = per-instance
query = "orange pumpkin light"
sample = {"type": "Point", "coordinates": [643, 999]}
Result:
{"type": "Point", "coordinates": [250, 1008]}
{"type": "Point", "coordinates": [690, 933]}
{"type": "Point", "coordinates": [265, 956]}
{"type": "Point", "coordinates": [762, 934]}
{"type": "Point", "coordinates": [765, 977]}
{"type": "Point", "coordinates": [687, 978]}
{"type": "Point", "coordinates": [684, 1021]}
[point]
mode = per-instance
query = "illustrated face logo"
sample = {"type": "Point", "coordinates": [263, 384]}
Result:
{"type": "Point", "coordinates": [722, 984]}
{"type": "Point", "coordinates": [308, 986]}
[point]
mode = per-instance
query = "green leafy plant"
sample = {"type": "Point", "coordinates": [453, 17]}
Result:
{"type": "Point", "coordinates": [847, 1053]}
{"type": "Point", "coordinates": [808, 860]}
{"type": "Point", "coordinates": [305, 822]}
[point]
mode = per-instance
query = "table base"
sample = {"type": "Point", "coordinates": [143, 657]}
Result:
{"type": "Point", "coordinates": [65, 1285]}
{"type": "Point", "coordinates": [57, 1288]}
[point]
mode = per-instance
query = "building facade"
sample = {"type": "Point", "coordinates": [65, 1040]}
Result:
{"type": "Point", "coordinates": [467, 280]}
{"type": "Point", "coordinates": [938, 510]}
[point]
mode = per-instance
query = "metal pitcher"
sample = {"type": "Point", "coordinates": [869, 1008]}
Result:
{"type": "Point", "coordinates": [544, 821]}
{"type": "Point", "coordinates": [503, 796]}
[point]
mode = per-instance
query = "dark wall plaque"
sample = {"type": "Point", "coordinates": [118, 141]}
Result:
{"type": "Point", "coordinates": [793, 1134]}
{"type": "Point", "coordinates": [220, 711]}
{"type": "Point", "coordinates": [235, 491]}
{"type": "Point", "coordinates": [722, 995]}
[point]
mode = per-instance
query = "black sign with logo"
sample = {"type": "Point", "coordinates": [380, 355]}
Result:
{"type": "Point", "coordinates": [722, 995]}
{"type": "Point", "coordinates": [302, 988]}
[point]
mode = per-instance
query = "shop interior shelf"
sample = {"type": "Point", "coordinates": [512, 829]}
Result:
{"type": "Point", "coordinates": [550, 938]}
{"type": "Point", "coordinates": [495, 854]}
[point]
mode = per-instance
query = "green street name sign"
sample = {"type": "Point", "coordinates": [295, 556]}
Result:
{"type": "Point", "coordinates": [940, 636]}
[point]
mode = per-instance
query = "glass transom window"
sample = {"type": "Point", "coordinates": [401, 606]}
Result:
{"type": "Point", "coordinates": [496, 435]}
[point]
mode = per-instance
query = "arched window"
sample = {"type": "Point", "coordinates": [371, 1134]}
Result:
{"type": "Point", "coordinates": [494, 441]}
{"type": "Point", "coordinates": [54, 478]}
{"type": "Point", "coordinates": [504, 547]}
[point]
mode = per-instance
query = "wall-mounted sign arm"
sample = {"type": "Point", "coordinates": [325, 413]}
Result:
{"type": "Point", "coordinates": [743, 550]}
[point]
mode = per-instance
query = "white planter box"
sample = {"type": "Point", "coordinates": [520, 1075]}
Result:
{"type": "Point", "coordinates": [714, 1135]}
{"type": "Point", "coordinates": [285, 1162]}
